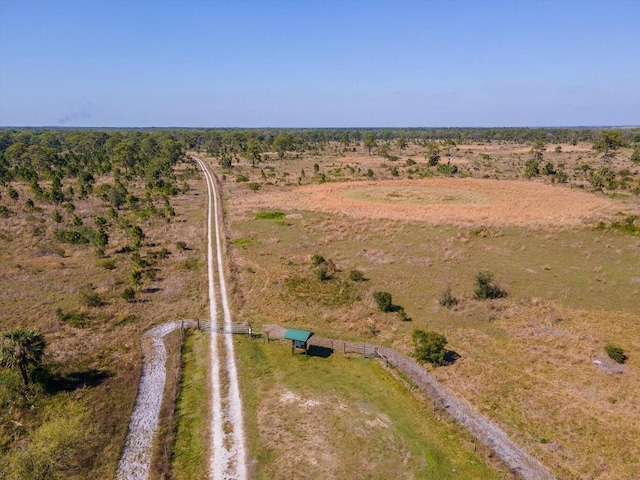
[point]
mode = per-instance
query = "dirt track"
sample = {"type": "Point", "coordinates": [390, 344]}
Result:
{"type": "Point", "coordinates": [513, 455]}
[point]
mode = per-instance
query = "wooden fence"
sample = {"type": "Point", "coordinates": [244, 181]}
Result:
{"type": "Point", "coordinates": [364, 349]}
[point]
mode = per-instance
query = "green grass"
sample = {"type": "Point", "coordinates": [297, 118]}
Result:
{"type": "Point", "coordinates": [190, 453]}
{"type": "Point", "coordinates": [365, 423]}
{"type": "Point", "coordinates": [269, 215]}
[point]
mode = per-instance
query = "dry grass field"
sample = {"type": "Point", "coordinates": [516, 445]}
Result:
{"type": "Point", "coordinates": [534, 361]}
{"type": "Point", "coordinates": [94, 355]}
{"type": "Point", "coordinates": [464, 201]}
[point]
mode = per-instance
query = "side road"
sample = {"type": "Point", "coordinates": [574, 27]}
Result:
{"type": "Point", "coordinates": [486, 432]}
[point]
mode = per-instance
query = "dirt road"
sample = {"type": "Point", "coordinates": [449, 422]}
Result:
{"type": "Point", "coordinates": [228, 457]}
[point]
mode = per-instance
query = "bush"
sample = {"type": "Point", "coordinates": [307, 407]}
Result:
{"type": "Point", "coordinates": [108, 264]}
{"type": "Point", "coordinates": [182, 246]}
{"type": "Point", "coordinates": [447, 299]}
{"type": "Point", "coordinates": [383, 300]}
{"type": "Point", "coordinates": [356, 276]}
{"type": "Point", "coordinates": [402, 315]}
{"type": "Point", "coordinates": [91, 299]}
{"type": "Point", "coordinates": [615, 353]}
{"type": "Point", "coordinates": [128, 294]}
{"type": "Point", "coordinates": [429, 347]}
{"type": "Point", "coordinates": [317, 259]}
{"type": "Point", "coordinates": [485, 289]}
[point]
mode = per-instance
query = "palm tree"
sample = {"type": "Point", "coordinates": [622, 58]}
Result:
{"type": "Point", "coordinates": [20, 348]}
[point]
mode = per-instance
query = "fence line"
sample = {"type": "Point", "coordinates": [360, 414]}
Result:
{"type": "Point", "coordinates": [234, 328]}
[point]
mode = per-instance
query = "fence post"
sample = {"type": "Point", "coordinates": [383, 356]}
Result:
{"type": "Point", "coordinates": [344, 348]}
{"type": "Point", "coordinates": [198, 324]}
{"type": "Point", "coordinates": [250, 335]}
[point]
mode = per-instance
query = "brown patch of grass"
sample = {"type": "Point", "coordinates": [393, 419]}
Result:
{"type": "Point", "coordinates": [463, 201]}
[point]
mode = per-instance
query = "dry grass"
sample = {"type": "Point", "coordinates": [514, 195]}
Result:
{"type": "Point", "coordinates": [526, 361]}
{"type": "Point", "coordinates": [436, 201]}
{"type": "Point", "coordinates": [39, 275]}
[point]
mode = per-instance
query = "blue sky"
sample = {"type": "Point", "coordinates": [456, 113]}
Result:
{"type": "Point", "coordinates": [138, 63]}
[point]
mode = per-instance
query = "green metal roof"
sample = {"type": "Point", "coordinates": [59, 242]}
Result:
{"type": "Point", "coordinates": [299, 335]}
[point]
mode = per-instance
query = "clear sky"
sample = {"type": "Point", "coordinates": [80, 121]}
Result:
{"type": "Point", "coordinates": [331, 63]}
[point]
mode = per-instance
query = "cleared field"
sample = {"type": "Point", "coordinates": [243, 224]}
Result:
{"type": "Point", "coordinates": [459, 201]}
{"type": "Point", "coordinates": [344, 417]}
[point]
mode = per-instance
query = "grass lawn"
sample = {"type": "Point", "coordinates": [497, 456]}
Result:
{"type": "Point", "coordinates": [191, 450]}
{"type": "Point", "coordinates": [343, 417]}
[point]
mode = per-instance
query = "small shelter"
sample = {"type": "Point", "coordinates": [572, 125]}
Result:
{"type": "Point", "coordinates": [299, 339]}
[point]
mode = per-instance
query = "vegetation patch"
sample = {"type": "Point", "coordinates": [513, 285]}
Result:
{"type": "Point", "coordinates": [310, 291]}
{"type": "Point", "coordinates": [269, 215]}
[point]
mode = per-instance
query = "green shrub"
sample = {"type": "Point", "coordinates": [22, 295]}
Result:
{"type": "Point", "coordinates": [108, 264]}
{"type": "Point", "coordinates": [77, 319]}
{"type": "Point", "coordinates": [254, 186]}
{"type": "Point", "coordinates": [356, 276]}
{"type": "Point", "coordinates": [182, 246]}
{"type": "Point", "coordinates": [317, 259]}
{"type": "Point", "coordinates": [241, 177]}
{"type": "Point", "coordinates": [91, 299]}
{"type": "Point", "coordinates": [383, 300]}
{"type": "Point", "coordinates": [128, 294]}
{"type": "Point", "coordinates": [429, 346]}
{"type": "Point", "coordinates": [447, 299]}
{"type": "Point", "coordinates": [615, 353]}
{"type": "Point", "coordinates": [485, 289]}
{"type": "Point", "coordinates": [402, 315]}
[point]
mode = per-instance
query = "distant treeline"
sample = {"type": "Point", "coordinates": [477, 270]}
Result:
{"type": "Point", "coordinates": [31, 153]}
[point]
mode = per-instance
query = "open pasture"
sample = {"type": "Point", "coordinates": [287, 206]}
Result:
{"type": "Point", "coordinates": [466, 201]}
{"type": "Point", "coordinates": [534, 361]}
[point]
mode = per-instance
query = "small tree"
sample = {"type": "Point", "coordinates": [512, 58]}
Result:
{"type": "Point", "coordinates": [485, 289]}
{"type": "Point", "coordinates": [433, 154]}
{"type": "Point", "coordinates": [22, 348]}
{"type": "Point", "coordinates": [370, 141]}
{"type": "Point", "coordinates": [429, 346]}
{"type": "Point", "coordinates": [615, 353]}
{"type": "Point", "coordinates": [608, 144]}
{"type": "Point", "coordinates": [383, 300]}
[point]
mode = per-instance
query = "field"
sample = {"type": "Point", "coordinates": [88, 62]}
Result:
{"type": "Point", "coordinates": [534, 361]}
{"type": "Point", "coordinates": [563, 243]}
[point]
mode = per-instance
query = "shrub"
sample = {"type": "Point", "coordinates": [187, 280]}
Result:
{"type": "Point", "coordinates": [322, 272]}
{"type": "Point", "coordinates": [615, 353]}
{"type": "Point", "coordinates": [429, 346]}
{"type": "Point", "coordinates": [485, 289]}
{"type": "Point", "coordinates": [128, 294]}
{"type": "Point", "coordinates": [241, 177]}
{"type": "Point", "coordinates": [383, 300]}
{"type": "Point", "coordinates": [56, 216]}
{"type": "Point", "coordinates": [182, 246]}
{"type": "Point", "coordinates": [402, 315]}
{"type": "Point", "coordinates": [254, 186]}
{"type": "Point", "coordinates": [447, 299]}
{"type": "Point", "coordinates": [91, 299]}
{"type": "Point", "coordinates": [77, 319]}
{"type": "Point", "coordinates": [317, 259]}
{"type": "Point", "coordinates": [356, 276]}
{"type": "Point", "coordinates": [108, 264]}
